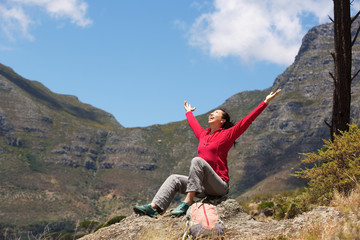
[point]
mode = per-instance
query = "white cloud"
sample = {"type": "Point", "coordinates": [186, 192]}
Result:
{"type": "Point", "coordinates": [74, 9]}
{"type": "Point", "coordinates": [268, 30]}
{"type": "Point", "coordinates": [14, 21]}
{"type": "Point", "coordinates": [15, 17]}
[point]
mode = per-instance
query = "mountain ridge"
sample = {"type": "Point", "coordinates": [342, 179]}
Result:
{"type": "Point", "coordinates": [59, 102]}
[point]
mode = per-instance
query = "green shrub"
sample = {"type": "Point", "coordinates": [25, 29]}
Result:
{"type": "Point", "coordinates": [88, 226]}
{"type": "Point", "coordinates": [32, 162]}
{"type": "Point", "coordinates": [110, 222]}
{"type": "Point", "coordinates": [336, 167]}
{"type": "Point", "coordinates": [114, 220]}
{"type": "Point", "coordinates": [265, 205]}
{"type": "Point", "coordinates": [282, 204]}
{"type": "Point", "coordinates": [287, 204]}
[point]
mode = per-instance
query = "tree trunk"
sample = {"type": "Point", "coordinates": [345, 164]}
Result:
{"type": "Point", "coordinates": [342, 75]}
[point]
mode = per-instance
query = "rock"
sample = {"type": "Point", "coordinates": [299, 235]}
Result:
{"type": "Point", "coordinates": [230, 208]}
{"type": "Point", "coordinates": [80, 148]}
{"type": "Point", "coordinates": [47, 120]}
{"type": "Point", "coordinates": [268, 212]}
{"type": "Point", "coordinates": [90, 165]}
{"type": "Point", "coordinates": [237, 223]}
{"type": "Point", "coordinates": [93, 157]}
{"type": "Point", "coordinates": [58, 151]}
{"type": "Point", "coordinates": [67, 161]}
{"type": "Point", "coordinates": [5, 125]}
{"type": "Point", "coordinates": [147, 166]}
{"type": "Point", "coordinates": [13, 141]}
{"type": "Point", "coordinates": [107, 165]}
{"type": "Point", "coordinates": [5, 86]}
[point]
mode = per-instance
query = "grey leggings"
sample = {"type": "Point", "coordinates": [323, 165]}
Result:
{"type": "Point", "coordinates": [202, 179]}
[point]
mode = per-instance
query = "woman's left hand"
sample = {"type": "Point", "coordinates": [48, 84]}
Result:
{"type": "Point", "coordinates": [271, 96]}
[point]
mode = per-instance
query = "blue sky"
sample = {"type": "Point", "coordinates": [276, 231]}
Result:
{"type": "Point", "coordinates": [139, 60]}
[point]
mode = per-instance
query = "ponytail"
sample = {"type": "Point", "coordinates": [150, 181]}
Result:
{"type": "Point", "coordinates": [228, 123]}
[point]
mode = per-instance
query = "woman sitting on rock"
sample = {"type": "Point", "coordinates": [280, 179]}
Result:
{"type": "Point", "coordinates": [209, 175]}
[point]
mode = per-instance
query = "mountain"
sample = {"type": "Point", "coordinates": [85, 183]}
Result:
{"type": "Point", "coordinates": [63, 161]}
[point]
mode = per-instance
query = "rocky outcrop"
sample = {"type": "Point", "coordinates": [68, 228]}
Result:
{"type": "Point", "coordinates": [237, 223]}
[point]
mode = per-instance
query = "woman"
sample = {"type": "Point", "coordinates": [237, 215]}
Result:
{"type": "Point", "coordinates": [209, 171]}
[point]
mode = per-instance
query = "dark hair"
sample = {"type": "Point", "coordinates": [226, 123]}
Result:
{"type": "Point", "coordinates": [228, 123]}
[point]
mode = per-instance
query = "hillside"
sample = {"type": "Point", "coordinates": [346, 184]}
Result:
{"type": "Point", "coordinates": [63, 161]}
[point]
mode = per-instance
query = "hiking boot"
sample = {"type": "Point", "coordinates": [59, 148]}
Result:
{"type": "Point", "coordinates": [145, 210]}
{"type": "Point", "coordinates": [180, 210]}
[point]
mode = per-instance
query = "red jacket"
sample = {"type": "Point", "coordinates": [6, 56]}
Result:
{"type": "Point", "coordinates": [214, 148]}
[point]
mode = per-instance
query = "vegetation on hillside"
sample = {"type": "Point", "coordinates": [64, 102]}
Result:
{"type": "Point", "coordinates": [333, 181]}
{"type": "Point", "coordinates": [337, 167]}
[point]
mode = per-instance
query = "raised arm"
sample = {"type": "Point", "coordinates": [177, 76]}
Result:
{"type": "Point", "coordinates": [194, 124]}
{"type": "Point", "coordinates": [244, 123]}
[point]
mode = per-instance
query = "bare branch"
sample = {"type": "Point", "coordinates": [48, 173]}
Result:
{"type": "Point", "coordinates": [332, 76]}
{"type": "Point", "coordinates": [333, 55]}
{"type": "Point", "coordinates": [356, 35]}
{"type": "Point", "coordinates": [357, 73]}
{"type": "Point", "coordinates": [331, 19]}
{"type": "Point", "coordinates": [329, 126]}
{"type": "Point", "coordinates": [354, 18]}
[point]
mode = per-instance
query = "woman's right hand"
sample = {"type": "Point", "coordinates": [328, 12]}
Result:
{"type": "Point", "coordinates": [188, 107]}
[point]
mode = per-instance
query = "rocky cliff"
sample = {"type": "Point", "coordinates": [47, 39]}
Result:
{"type": "Point", "coordinates": [65, 160]}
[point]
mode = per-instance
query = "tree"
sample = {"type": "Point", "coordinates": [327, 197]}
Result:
{"type": "Point", "coordinates": [343, 63]}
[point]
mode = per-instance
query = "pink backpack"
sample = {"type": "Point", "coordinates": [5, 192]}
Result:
{"type": "Point", "coordinates": [203, 220]}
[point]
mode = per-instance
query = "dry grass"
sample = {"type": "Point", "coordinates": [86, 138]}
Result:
{"type": "Point", "coordinates": [347, 227]}
{"type": "Point", "coordinates": [350, 204]}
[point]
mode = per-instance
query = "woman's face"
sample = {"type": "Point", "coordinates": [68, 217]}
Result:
{"type": "Point", "coordinates": [216, 117]}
